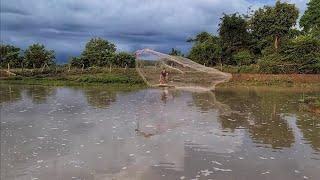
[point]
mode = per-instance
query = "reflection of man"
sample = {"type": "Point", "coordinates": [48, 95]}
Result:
{"type": "Point", "coordinates": [164, 95]}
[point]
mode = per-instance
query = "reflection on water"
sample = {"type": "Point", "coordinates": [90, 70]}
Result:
{"type": "Point", "coordinates": [100, 98]}
{"type": "Point", "coordinates": [99, 133]}
{"type": "Point", "coordinates": [9, 93]}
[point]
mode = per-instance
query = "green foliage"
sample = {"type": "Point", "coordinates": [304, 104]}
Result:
{"type": "Point", "coordinates": [36, 56]}
{"type": "Point", "coordinates": [305, 52]}
{"type": "Point", "coordinates": [274, 21]}
{"type": "Point", "coordinates": [310, 21]}
{"type": "Point", "coordinates": [300, 55]}
{"type": "Point", "coordinates": [10, 55]}
{"type": "Point", "coordinates": [78, 62]}
{"type": "Point", "coordinates": [202, 37]}
{"type": "Point", "coordinates": [233, 33]}
{"type": "Point", "coordinates": [206, 49]}
{"type": "Point", "coordinates": [273, 64]}
{"type": "Point", "coordinates": [240, 69]}
{"type": "Point", "coordinates": [234, 36]}
{"type": "Point", "coordinates": [243, 57]}
{"type": "Point", "coordinates": [175, 52]}
{"type": "Point", "coordinates": [124, 59]}
{"type": "Point", "coordinates": [101, 53]}
{"type": "Point", "coordinates": [98, 52]}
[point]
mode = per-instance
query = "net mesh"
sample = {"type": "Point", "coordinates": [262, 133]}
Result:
{"type": "Point", "coordinates": [182, 72]}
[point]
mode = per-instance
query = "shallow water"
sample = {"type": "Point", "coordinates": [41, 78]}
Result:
{"type": "Point", "coordinates": [98, 133]}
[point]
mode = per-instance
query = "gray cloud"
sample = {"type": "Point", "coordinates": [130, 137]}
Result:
{"type": "Point", "coordinates": [66, 25]}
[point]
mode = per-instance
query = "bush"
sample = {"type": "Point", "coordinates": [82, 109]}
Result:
{"type": "Point", "coordinates": [300, 55]}
{"type": "Point", "coordinates": [124, 59]}
{"type": "Point", "coordinates": [273, 63]}
{"type": "Point", "coordinates": [304, 51]}
{"type": "Point", "coordinates": [239, 69]}
{"type": "Point", "coordinates": [243, 57]}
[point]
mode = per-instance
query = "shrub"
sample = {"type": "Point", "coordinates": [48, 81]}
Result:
{"type": "Point", "coordinates": [273, 63]}
{"type": "Point", "coordinates": [300, 55]}
{"type": "Point", "coordinates": [304, 51]}
{"type": "Point", "coordinates": [243, 57]}
{"type": "Point", "coordinates": [124, 59]}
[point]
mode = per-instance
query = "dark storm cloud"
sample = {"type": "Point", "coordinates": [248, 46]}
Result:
{"type": "Point", "coordinates": [66, 25]}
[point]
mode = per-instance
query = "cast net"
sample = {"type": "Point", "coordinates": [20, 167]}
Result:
{"type": "Point", "coordinates": [182, 72]}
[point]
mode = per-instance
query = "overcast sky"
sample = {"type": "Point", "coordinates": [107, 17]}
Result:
{"type": "Point", "coordinates": [66, 25]}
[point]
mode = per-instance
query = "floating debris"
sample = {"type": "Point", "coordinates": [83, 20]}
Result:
{"type": "Point", "coordinates": [262, 157]}
{"type": "Point", "coordinates": [206, 172]}
{"type": "Point", "coordinates": [216, 162]}
{"type": "Point", "coordinates": [223, 170]}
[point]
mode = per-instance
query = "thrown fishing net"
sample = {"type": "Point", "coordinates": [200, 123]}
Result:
{"type": "Point", "coordinates": [183, 73]}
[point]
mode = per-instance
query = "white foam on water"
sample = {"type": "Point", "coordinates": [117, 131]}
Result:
{"type": "Point", "coordinates": [223, 170]}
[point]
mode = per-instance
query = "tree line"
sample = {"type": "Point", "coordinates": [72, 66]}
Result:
{"type": "Point", "coordinates": [97, 53]}
{"type": "Point", "coordinates": [35, 56]}
{"type": "Point", "coordinates": [267, 38]}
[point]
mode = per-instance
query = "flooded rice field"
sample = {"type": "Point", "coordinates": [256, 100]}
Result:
{"type": "Point", "coordinates": [93, 133]}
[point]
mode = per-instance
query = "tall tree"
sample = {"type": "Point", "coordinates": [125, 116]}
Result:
{"type": "Point", "coordinates": [274, 21]}
{"type": "Point", "coordinates": [10, 55]}
{"type": "Point", "coordinates": [99, 52]}
{"type": "Point", "coordinates": [234, 36]}
{"type": "Point", "coordinates": [206, 49]}
{"type": "Point", "coordinates": [36, 56]}
{"type": "Point", "coordinates": [310, 21]}
{"type": "Point", "coordinates": [233, 32]}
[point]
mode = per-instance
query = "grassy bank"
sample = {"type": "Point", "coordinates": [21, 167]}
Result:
{"type": "Point", "coordinates": [129, 77]}
{"type": "Point", "coordinates": [282, 80]}
{"type": "Point", "coordinates": [119, 76]}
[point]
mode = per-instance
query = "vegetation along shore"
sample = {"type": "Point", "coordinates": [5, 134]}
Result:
{"type": "Point", "coordinates": [251, 46]}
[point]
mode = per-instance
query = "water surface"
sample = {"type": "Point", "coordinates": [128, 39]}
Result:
{"type": "Point", "coordinates": [102, 133]}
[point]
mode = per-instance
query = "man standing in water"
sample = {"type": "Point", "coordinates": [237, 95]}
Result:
{"type": "Point", "coordinates": [163, 76]}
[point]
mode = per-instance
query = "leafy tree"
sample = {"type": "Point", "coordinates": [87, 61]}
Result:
{"type": "Point", "coordinates": [233, 32]}
{"type": "Point", "coordinates": [299, 55]}
{"type": "Point", "coordinates": [310, 21]}
{"type": "Point", "coordinates": [202, 37]}
{"type": "Point", "coordinates": [36, 56]}
{"type": "Point", "coordinates": [10, 55]}
{"type": "Point", "coordinates": [175, 52]}
{"type": "Point", "coordinates": [99, 52]}
{"type": "Point", "coordinates": [124, 59]}
{"type": "Point", "coordinates": [274, 21]}
{"type": "Point", "coordinates": [304, 51]}
{"type": "Point", "coordinates": [206, 49]}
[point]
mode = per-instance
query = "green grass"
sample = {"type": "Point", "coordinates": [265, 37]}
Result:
{"type": "Point", "coordinates": [128, 77]}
